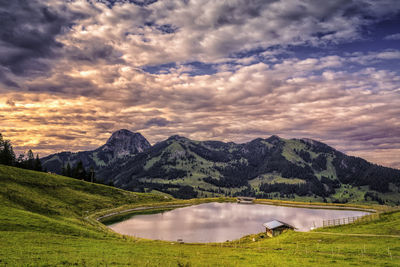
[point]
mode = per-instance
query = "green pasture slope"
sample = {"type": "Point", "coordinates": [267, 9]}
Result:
{"type": "Point", "coordinates": [46, 220]}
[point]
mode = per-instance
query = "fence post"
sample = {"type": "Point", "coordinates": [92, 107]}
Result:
{"type": "Point", "coordinates": [354, 219]}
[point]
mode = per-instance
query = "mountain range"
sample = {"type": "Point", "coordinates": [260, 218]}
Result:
{"type": "Point", "coordinates": [270, 168]}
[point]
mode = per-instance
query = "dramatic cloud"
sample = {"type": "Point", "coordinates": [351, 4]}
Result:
{"type": "Point", "coordinates": [72, 72]}
{"type": "Point", "coordinates": [28, 34]}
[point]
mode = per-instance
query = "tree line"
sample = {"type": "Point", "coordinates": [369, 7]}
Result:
{"type": "Point", "coordinates": [7, 157]}
{"type": "Point", "coordinates": [30, 162]}
{"type": "Point", "coordinates": [77, 171]}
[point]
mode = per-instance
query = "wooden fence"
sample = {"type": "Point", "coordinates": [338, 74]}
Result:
{"type": "Point", "coordinates": [347, 220]}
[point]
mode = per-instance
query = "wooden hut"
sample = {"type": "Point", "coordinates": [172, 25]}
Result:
{"type": "Point", "coordinates": [275, 227]}
{"type": "Point", "coordinates": [245, 200]}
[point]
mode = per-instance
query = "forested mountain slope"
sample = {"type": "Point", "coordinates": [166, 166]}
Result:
{"type": "Point", "coordinates": [272, 168]}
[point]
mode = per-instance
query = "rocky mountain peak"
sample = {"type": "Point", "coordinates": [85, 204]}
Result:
{"type": "Point", "coordinates": [124, 142]}
{"type": "Point", "coordinates": [120, 134]}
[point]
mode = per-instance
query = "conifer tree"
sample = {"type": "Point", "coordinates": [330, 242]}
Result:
{"type": "Point", "coordinates": [68, 171]}
{"type": "Point", "coordinates": [63, 170]}
{"type": "Point", "coordinates": [79, 171]}
{"type": "Point", "coordinates": [7, 156]}
{"type": "Point", "coordinates": [91, 175]}
{"type": "Point", "coordinates": [20, 162]}
{"type": "Point", "coordinates": [31, 160]}
{"type": "Point", "coordinates": [37, 164]}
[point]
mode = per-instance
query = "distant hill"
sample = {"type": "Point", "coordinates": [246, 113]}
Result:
{"type": "Point", "coordinates": [304, 169]}
{"type": "Point", "coordinates": [122, 143]}
{"type": "Point", "coordinates": [301, 169]}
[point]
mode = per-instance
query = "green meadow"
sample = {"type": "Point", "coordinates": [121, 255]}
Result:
{"type": "Point", "coordinates": [50, 220]}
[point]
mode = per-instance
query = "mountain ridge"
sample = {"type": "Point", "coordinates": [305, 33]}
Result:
{"type": "Point", "coordinates": [273, 167]}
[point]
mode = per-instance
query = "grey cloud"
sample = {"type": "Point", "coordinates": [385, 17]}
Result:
{"type": "Point", "coordinates": [66, 137]}
{"type": "Point", "coordinates": [237, 12]}
{"type": "Point", "coordinates": [395, 36]}
{"type": "Point", "coordinates": [229, 27]}
{"type": "Point", "coordinates": [374, 134]}
{"type": "Point", "coordinates": [27, 34]}
{"type": "Point", "coordinates": [66, 85]}
{"type": "Point", "coordinates": [105, 126]}
{"type": "Point", "coordinates": [111, 3]}
{"type": "Point", "coordinates": [208, 30]}
{"type": "Point", "coordinates": [204, 30]}
{"type": "Point", "coordinates": [7, 81]}
{"type": "Point", "coordinates": [94, 51]}
{"type": "Point", "coordinates": [158, 121]}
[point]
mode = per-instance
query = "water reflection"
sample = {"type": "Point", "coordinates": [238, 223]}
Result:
{"type": "Point", "coordinates": [218, 222]}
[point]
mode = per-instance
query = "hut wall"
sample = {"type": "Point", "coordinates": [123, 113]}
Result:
{"type": "Point", "coordinates": [277, 231]}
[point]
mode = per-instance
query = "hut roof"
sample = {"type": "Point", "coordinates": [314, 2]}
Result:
{"type": "Point", "coordinates": [275, 224]}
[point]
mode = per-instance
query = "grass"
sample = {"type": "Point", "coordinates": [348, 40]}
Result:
{"type": "Point", "coordinates": [272, 179]}
{"type": "Point", "coordinates": [124, 216]}
{"type": "Point", "coordinates": [289, 153]}
{"type": "Point", "coordinates": [351, 193]}
{"type": "Point", "coordinates": [48, 220]}
{"type": "Point", "coordinates": [330, 171]}
{"type": "Point", "coordinates": [388, 224]}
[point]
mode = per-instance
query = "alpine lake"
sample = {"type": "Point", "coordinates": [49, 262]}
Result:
{"type": "Point", "coordinates": [219, 222]}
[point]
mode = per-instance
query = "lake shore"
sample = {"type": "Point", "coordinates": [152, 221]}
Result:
{"type": "Point", "coordinates": [127, 210]}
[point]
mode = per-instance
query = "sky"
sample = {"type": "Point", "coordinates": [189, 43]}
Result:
{"type": "Point", "coordinates": [74, 71]}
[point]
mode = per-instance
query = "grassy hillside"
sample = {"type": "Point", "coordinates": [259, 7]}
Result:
{"type": "Point", "coordinates": [43, 221]}
{"type": "Point", "coordinates": [34, 201]}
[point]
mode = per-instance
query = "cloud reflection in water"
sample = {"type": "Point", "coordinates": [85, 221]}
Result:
{"type": "Point", "coordinates": [218, 222]}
